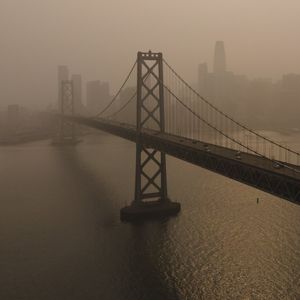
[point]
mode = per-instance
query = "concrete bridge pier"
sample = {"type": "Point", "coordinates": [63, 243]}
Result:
{"type": "Point", "coordinates": [149, 210]}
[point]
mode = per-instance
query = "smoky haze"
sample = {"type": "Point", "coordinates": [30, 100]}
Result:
{"type": "Point", "coordinates": [99, 40]}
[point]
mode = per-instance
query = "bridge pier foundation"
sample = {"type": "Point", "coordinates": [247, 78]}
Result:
{"type": "Point", "coordinates": [149, 210]}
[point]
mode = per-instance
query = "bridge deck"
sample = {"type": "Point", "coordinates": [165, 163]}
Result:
{"type": "Point", "coordinates": [250, 169]}
{"type": "Point", "coordinates": [244, 157]}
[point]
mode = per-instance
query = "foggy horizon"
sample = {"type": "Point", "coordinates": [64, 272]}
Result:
{"type": "Point", "coordinates": [99, 40]}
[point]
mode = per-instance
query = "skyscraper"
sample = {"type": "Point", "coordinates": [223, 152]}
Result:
{"type": "Point", "coordinates": [220, 90]}
{"type": "Point", "coordinates": [220, 58]}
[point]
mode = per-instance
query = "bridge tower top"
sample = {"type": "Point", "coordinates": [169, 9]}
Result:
{"type": "Point", "coordinates": [150, 91]}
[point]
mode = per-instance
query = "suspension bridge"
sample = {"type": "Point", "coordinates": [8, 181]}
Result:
{"type": "Point", "coordinates": [163, 114]}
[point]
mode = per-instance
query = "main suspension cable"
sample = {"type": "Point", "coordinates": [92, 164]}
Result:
{"type": "Point", "coordinates": [224, 134]}
{"type": "Point", "coordinates": [117, 94]}
{"type": "Point", "coordinates": [123, 106]}
{"type": "Point", "coordinates": [225, 115]}
{"type": "Point", "coordinates": [127, 102]}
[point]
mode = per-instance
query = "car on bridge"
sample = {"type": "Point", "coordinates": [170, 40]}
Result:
{"type": "Point", "coordinates": [238, 155]}
{"type": "Point", "coordinates": [277, 165]}
{"type": "Point", "coordinates": [206, 148]}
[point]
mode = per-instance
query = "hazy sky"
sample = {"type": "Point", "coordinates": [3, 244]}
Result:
{"type": "Point", "coordinates": [100, 38]}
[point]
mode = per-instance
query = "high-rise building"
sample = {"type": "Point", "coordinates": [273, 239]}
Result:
{"type": "Point", "coordinates": [220, 58]}
{"type": "Point", "coordinates": [220, 92]}
{"type": "Point", "coordinates": [217, 86]}
{"type": "Point", "coordinates": [77, 93]}
{"type": "Point", "coordinates": [213, 85]}
{"type": "Point", "coordinates": [62, 74]}
{"type": "Point", "coordinates": [259, 102]}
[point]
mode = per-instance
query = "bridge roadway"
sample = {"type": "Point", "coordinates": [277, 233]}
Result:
{"type": "Point", "coordinates": [247, 168]}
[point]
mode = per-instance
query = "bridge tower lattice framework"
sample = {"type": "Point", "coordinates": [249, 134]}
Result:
{"type": "Point", "coordinates": [67, 130]}
{"type": "Point", "coordinates": [151, 196]}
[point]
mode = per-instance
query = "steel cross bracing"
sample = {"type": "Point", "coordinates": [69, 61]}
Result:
{"type": "Point", "coordinates": [150, 181]}
{"type": "Point", "coordinates": [67, 127]}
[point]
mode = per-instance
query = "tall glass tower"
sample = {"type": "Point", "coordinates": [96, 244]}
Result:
{"type": "Point", "coordinates": [220, 58]}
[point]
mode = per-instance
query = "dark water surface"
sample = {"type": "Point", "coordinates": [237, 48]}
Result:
{"type": "Point", "coordinates": [61, 238]}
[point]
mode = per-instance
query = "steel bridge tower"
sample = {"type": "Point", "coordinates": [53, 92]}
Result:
{"type": "Point", "coordinates": [66, 133]}
{"type": "Point", "coordinates": [151, 197]}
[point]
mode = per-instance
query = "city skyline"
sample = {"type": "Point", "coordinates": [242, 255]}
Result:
{"type": "Point", "coordinates": [236, 94]}
{"type": "Point", "coordinates": [93, 45]}
{"type": "Point", "coordinates": [220, 47]}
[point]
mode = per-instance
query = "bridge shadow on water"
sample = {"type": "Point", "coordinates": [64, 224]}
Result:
{"type": "Point", "coordinates": [87, 185]}
{"type": "Point", "coordinates": [122, 261]}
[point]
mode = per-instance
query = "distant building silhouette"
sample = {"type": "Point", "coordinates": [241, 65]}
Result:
{"type": "Point", "coordinates": [62, 74]}
{"type": "Point", "coordinates": [221, 77]}
{"type": "Point", "coordinates": [289, 98]}
{"type": "Point", "coordinates": [220, 58]}
{"type": "Point", "coordinates": [77, 93]}
{"type": "Point", "coordinates": [97, 95]}
{"type": "Point", "coordinates": [259, 102]}
{"type": "Point", "coordinates": [217, 86]}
